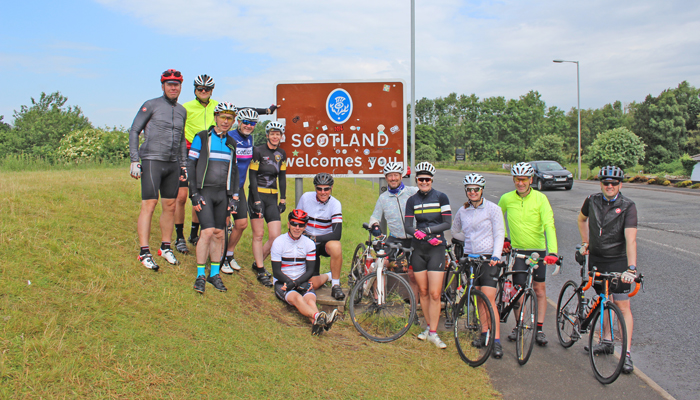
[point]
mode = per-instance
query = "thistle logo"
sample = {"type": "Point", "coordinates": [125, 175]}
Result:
{"type": "Point", "coordinates": [339, 106]}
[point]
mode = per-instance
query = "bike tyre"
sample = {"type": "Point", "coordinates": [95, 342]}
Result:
{"type": "Point", "coordinates": [567, 314]}
{"type": "Point", "coordinates": [357, 266]}
{"type": "Point", "coordinates": [614, 364]}
{"type": "Point", "coordinates": [527, 327]}
{"type": "Point", "coordinates": [468, 325]}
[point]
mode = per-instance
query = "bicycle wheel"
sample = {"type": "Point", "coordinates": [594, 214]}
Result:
{"type": "Point", "coordinates": [568, 323]}
{"type": "Point", "coordinates": [607, 347]}
{"type": "Point", "coordinates": [527, 327]}
{"type": "Point", "coordinates": [389, 320]}
{"type": "Point", "coordinates": [474, 315]}
{"type": "Point", "coordinates": [357, 267]}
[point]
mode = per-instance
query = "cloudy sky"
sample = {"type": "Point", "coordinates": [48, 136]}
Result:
{"type": "Point", "coordinates": [106, 55]}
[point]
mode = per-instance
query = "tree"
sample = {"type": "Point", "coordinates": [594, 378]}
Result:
{"type": "Point", "coordinates": [547, 147]}
{"type": "Point", "coordinates": [39, 128]}
{"type": "Point", "coordinates": [619, 147]}
{"type": "Point", "coordinates": [425, 153]}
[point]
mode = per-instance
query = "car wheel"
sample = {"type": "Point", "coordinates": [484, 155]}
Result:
{"type": "Point", "coordinates": [569, 187]}
{"type": "Point", "coordinates": [539, 185]}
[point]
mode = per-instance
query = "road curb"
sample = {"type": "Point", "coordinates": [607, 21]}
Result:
{"type": "Point", "coordinates": [644, 377]}
{"type": "Point", "coordinates": [687, 192]}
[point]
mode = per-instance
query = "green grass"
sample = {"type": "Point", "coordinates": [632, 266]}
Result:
{"type": "Point", "coordinates": [94, 323]}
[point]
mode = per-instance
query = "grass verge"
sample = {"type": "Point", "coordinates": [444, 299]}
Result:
{"type": "Point", "coordinates": [81, 318]}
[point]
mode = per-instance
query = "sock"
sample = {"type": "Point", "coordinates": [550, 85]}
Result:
{"type": "Point", "coordinates": [145, 250]}
{"type": "Point", "coordinates": [194, 231]}
{"type": "Point", "coordinates": [539, 326]}
{"type": "Point", "coordinates": [315, 315]}
{"type": "Point", "coordinates": [335, 282]}
{"type": "Point", "coordinates": [329, 275]}
{"type": "Point", "coordinates": [497, 341]}
{"type": "Point", "coordinates": [629, 354]}
{"type": "Point", "coordinates": [229, 255]}
{"type": "Point", "coordinates": [431, 333]}
{"type": "Point", "coordinates": [427, 328]}
{"type": "Point", "coordinates": [201, 269]}
{"type": "Point", "coordinates": [214, 269]}
{"type": "Point", "coordinates": [164, 245]}
{"type": "Point", "coordinates": [178, 230]}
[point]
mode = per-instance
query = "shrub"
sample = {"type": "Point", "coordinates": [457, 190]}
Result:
{"type": "Point", "coordinates": [688, 164]}
{"type": "Point", "coordinates": [695, 186]}
{"type": "Point", "coordinates": [94, 145]}
{"type": "Point", "coordinates": [639, 179]}
{"type": "Point", "coordinates": [684, 184]}
{"type": "Point", "coordinates": [674, 168]}
{"type": "Point", "coordinates": [619, 146]}
{"type": "Point", "coordinates": [659, 180]}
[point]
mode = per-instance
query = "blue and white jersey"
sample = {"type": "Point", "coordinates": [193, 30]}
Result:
{"type": "Point", "coordinates": [293, 254]}
{"type": "Point", "coordinates": [217, 170]}
{"type": "Point", "coordinates": [244, 153]}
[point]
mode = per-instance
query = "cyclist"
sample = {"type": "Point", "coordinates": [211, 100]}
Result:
{"type": "Point", "coordinates": [325, 227]}
{"type": "Point", "coordinates": [392, 205]}
{"type": "Point", "coordinates": [214, 188]}
{"type": "Point", "coordinates": [200, 117]}
{"type": "Point", "coordinates": [163, 157]}
{"type": "Point", "coordinates": [530, 217]}
{"type": "Point", "coordinates": [608, 227]}
{"type": "Point", "coordinates": [479, 224]}
{"type": "Point", "coordinates": [268, 166]}
{"type": "Point", "coordinates": [293, 257]}
{"type": "Point", "coordinates": [428, 215]}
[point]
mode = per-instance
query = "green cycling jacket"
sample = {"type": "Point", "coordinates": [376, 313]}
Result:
{"type": "Point", "coordinates": [529, 218]}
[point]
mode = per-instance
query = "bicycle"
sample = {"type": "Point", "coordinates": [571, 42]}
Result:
{"type": "Point", "coordinates": [455, 278]}
{"type": "Point", "coordinates": [381, 303]}
{"type": "Point", "coordinates": [474, 321]}
{"type": "Point", "coordinates": [363, 256]}
{"type": "Point", "coordinates": [506, 302]}
{"type": "Point", "coordinates": [577, 315]}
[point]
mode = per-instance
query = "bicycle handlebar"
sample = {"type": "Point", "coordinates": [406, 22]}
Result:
{"type": "Point", "coordinates": [638, 281]}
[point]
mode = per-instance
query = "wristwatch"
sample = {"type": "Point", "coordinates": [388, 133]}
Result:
{"type": "Point", "coordinates": [632, 267]}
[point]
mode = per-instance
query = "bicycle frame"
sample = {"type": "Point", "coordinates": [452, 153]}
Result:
{"type": "Point", "coordinates": [514, 303]}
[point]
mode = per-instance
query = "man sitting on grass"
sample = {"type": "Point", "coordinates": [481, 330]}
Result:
{"type": "Point", "coordinates": [293, 257]}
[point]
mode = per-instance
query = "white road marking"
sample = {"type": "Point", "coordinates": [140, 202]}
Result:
{"type": "Point", "coordinates": [669, 246]}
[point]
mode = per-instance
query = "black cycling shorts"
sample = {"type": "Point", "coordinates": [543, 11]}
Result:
{"type": "Point", "coordinates": [427, 257]}
{"type": "Point", "coordinates": [242, 212]}
{"type": "Point", "coordinates": [487, 275]}
{"type": "Point", "coordinates": [159, 176]}
{"type": "Point", "coordinates": [269, 206]}
{"type": "Point", "coordinates": [616, 287]}
{"type": "Point", "coordinates": [215, 211]}
{"type": "Point", "coordinates": [320, 252]}
{"type": "Point", "coordinates": [282, 294]}
{"type": "Point", "coordinates": [538, 275]}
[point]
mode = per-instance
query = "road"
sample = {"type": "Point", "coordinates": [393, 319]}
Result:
{"type": "Point", "coordinates": [667, 319]}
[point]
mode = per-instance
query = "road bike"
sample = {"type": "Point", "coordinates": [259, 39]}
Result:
{"type": "Point", "coordinates": [381, 303]}
{"type": "Point", "coordinates": [526, 310]}
{"type": "Point", "coordinates": [598, 316]}
{"type": "Point", "coordinates": [363, 258]}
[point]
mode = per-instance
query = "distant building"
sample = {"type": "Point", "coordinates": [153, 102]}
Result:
{"type": "Point", "coordinates": [695, 176]}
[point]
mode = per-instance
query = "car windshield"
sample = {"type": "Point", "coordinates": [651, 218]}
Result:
{"type": "Point", "coordinates": [549, 166]}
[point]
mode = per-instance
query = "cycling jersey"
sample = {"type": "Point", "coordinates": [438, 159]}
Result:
{"type": "Point", "coordinates": [295, 258]}
{"type": "Point", "coordinates": [266, 167]}
{"type": "Point", "coordinates": [607, 223]}
{"type": "Point", "coordinates": [392, 207]}
{"type": "Point", "coordinates": [200, 117]}
{"type": "Point", "coordinates": [211, 163]}
{"type": "Point", "coordinates": [529, 218]}
{"type": "Point", "coordinates": [322, 216]}
{"type": "Point", "coordinates": [431, 212]}
{"type": "Point", "coordinates": [244, 154]}
{"type": "Point", "coordinates": [481, 228]}
{"type": "Point", "coordinates": [163, 122]}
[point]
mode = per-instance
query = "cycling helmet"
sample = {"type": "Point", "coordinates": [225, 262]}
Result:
{"type": "Point", "coordinates": [474, 179]}
{"type": "Point", "coordinates": [425, 168]}
{"type": "Point", "coordinates": [249, 114]}
{"type": "Point", "coordinates": [225, 107]}
{"type": "Point", "coordinates": [611, 172]}
{"type": "Point", "coordinates": [323, 179]}
{"type": "Point", "coordinates": [298, 216]}
{"type": "Point", "coordinates": [171, 75]}
{"type": "Point", "coordinates": [393, 167]}
{"type": "Point", "coordinates": [522, 169]}
{"type": "Point", "coordinates": [274, 126]}
{"type": "Point", "coordinates": [204, 80]}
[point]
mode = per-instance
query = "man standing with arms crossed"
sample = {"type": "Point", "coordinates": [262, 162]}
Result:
{"type": "Point", "coordinates": [608, 227]}
{"type": "Point", "coordinates": [529, 216]}
{"type": "Point", "coordinates": [163, 157]}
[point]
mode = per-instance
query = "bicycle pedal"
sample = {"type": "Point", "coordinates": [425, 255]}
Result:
{"type": "Point", "coordinates": [449, 324]}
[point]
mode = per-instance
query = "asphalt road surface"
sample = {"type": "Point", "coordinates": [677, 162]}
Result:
{"type": "Point", "coordinates": [665, 344]}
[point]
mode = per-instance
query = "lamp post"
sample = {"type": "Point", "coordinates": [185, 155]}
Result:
{"type": "Point", "coordinates": [578, 106]}
{"type": "Point", "coordinates": [413, 86]}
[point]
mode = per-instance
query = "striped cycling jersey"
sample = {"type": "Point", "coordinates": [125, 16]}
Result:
{"type": "Point", "coordinates": [244, 153]}
{"type": "Point", "coordinates": [431, 211]}
{"type": "Point", "coordinates": [217, 170]}
{"type": "Point", "coordinates": [293, 254]}
{"type": "Point", "coordinates": [322, 216]}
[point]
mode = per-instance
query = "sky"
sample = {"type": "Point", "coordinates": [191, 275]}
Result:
{"type": "Point", "coordinates": [106, 56]}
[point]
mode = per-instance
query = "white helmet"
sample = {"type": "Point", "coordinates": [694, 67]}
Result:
{"type": "Point", "coordinates": [393, 167]}
{"type": "Point", "coordinates": [474, 179]}
{"type": "Point", "coordinates": [247, 113]}
{"type": "Point", "coordinates": [522, 169]}
{"type": "Point", "coordinates": [204, 80]}
{"type": "Point", "coordinates": [225, 107]}
{"type": "Point", "coordinates": [274, 126]}
{"type": "Point", "coordinates": [425, 168]}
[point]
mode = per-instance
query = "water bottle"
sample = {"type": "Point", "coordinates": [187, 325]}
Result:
{"type": "Point", "coordinates": [368, 263]}
{"type": "Point", "coordinates": [590, 305]}
{"type": "Point", "coordinates": [507, 291]}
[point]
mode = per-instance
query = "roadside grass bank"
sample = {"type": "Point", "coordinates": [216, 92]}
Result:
{"type": "Point", "coordinates": [81, 318]}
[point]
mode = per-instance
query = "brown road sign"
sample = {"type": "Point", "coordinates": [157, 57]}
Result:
{"type": "Point", "coordinates": [344, 128]}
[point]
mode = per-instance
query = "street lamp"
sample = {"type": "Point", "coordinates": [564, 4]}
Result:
{"type": "Point", "coordinates": [578, 106]}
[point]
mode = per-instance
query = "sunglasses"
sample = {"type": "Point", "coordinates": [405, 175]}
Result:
{"type": "Point", "coordinates": [248, 122]}
{"type": "Point", "coordinates": [523, 179]}
{"type": "Point", "coordinates": [204, 89]}
{"type": "Point", "coordinates": [424, 179]}
{"type": "Point", "coordinates": [610, 183]}
{"type": "Point", "coordinates": [168, 74]}
{"type": "Point", "coordinates": [297, 224]}
{"type": "Point", "coordinates": [227, 117]}
{"type": "Point", "coordinates": [473, 190]}
{"type": "Point", "coordinates": [323, 189]}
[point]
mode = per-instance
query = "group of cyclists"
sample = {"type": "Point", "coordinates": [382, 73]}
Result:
{"type": "Point", "coordinates": [195, 150]}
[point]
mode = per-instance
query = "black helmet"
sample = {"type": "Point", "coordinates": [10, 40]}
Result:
{"type": "Point", "coordinates": [611, 172]}
{"type": "Point", "coordinates": [323, 179]}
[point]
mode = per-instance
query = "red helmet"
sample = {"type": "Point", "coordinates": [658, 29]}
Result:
{"type": "Point", "coordinates": [171, 75]}
{"type": "Point", "coordinates": [298, 216]}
